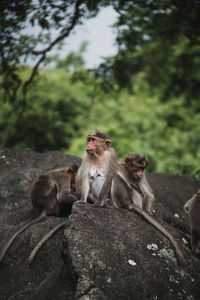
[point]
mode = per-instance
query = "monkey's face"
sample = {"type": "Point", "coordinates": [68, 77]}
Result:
{"type": "Point", "coordinates": [96, 145]}
{"type": "Point", "coordinates": [136, 166]}
{"type": "Point", "coordinates": [71, 173]}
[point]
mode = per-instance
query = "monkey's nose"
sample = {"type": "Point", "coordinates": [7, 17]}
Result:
{"type": "Point", "coordinates": [139, 176]}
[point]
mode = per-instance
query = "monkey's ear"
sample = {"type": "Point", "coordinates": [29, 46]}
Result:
{"type": "Point", "coordinates": [69, 171]}
{"type": "Point", "coordinates": [107, 142]}
{"type": "Point", "coordinates": [127, 160]}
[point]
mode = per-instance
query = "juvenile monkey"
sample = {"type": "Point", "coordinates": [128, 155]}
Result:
{"type": "Point", "coordinates": [98, 167]}
{"type": "Point", "coordinates": [51, 193]}
{"type": "Point", "coordinates": [192, 208]}
{"type": "Point", "coordinates": [128, 184]}
{"type": "Point", "coordinates": [132, 168]}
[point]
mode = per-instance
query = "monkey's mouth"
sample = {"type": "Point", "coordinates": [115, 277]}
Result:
{"type": "Point", "coordinates": [91, 152]}
{"type": "Point", "coordinates": [137, 176]}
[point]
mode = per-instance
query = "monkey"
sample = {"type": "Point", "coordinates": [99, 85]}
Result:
{"type": "Point", "coordinates": [97, 169]}
{"type": "Point", "coordinates": [132, 170]}
{"type": "Point", "coordinates": [51, 193]}
{"type": "Point", "coordinates": [192, 208]}
{"type": "Point", "coordinates": [124, 190]}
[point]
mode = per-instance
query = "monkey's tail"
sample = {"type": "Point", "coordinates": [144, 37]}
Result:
{"type": "Point", "coordinates": [20, 230]}
{"type": "Point", "coordinates": [180, 257]}
{"type": "Point", "coordinates": [44, 239]}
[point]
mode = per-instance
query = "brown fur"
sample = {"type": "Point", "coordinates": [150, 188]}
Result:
{"type": "Point", "coordinates": [132, 167]}
{"type": "Point", "coordinates": [97, 169]}
{"type": "Point", "coordinates": [192, 208]}
{"type": "Point", "coordinates": [126, 191]}
{"type": "Point", "coordinates": [51, 193]}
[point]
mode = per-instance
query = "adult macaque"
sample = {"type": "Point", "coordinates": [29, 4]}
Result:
{"type": "Point", "coordinates": [192, 208]}
{"type": "Point", "coordinates": [132, 168]}
{"type": "Point", "coordinates": [98, 167]}
{"type": "Point", "coordinates": [131, 190]}
{"type": "Point", "coordinates": [51, 194]}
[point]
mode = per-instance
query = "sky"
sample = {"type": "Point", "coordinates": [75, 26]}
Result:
{"type": "Point", "coordinates": [100, 35]}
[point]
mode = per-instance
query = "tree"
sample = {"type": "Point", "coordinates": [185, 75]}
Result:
{"type": "Point", "coordinates": [42, 18]}
{"type": "Point", "coordinates": [53, 113]}
{"type": "Point", "coordinates": [161, 39]}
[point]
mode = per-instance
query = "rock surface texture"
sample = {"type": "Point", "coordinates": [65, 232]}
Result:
{"type": "Point", "coordinates": [102, 253]}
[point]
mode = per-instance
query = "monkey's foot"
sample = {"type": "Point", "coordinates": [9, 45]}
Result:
{"type": "Point", "coordinates": [79, 202]}
{"type": "Point", "coordinates": [131, 206]}
{"type": "Point", "coordinates": [150, 212]}
{"type": "Point", "coordinates": [100, 204]}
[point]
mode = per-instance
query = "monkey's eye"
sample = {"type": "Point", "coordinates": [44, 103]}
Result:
{"type": "Point", "coordinates": [91, 139]}
{"type": "Point", "coordinates": [138, 168]}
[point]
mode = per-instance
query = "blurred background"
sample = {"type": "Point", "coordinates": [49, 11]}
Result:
{"type": "Point", "coordinates": [129, 68]}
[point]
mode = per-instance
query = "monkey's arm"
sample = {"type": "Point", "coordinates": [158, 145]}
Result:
{"type": "Point", "coordinates": [148, 195]}
{"type": "Point", "coordinates": [82, 184]}
{"type": "Point", "coordinates": [111, 171]}
{"type": "Point", "coordinates": [103, 194]}
{"type": "Point", "coordinates": [120, 192]}
{"type": "Point", "coordinates": [130, 183]}
{"type": "Point", "coordinates": [67, 198]}
{"type": "Point", "coordinates": [64, 192]}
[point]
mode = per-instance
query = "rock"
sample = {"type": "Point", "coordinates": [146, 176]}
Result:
{"type": "Point", "coordinates": [102, 253]}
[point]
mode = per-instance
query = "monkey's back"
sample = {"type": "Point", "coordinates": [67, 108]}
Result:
{"type": "Point", "coordinates": [44, 192]}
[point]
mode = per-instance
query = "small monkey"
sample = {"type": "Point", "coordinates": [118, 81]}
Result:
{"type": "Point", "coordinates": [126, 187]}
{"type": "Point", "coordinates": [51, 193]}
{"type": "Point", "coordinates": [132, 168]}
{"type": "Point", "coordinates": [98, 167]}
{"type": "Point", "coordinates": [192, 208]}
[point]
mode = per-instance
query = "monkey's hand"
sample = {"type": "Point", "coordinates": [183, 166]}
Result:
{"type": "Point", "coordinates": [150, 211]}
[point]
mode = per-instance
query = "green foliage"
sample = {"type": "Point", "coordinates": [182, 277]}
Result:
{"type": "Point", "coordinates": [62, 108]}
{"type": "Point", "coordinates": [161, 39]}
{"type": "Point", "coordinates": [48, 118]}
{"type": "Point", "coordinates": [74, 60]}
{"type": "Point", "coordinates": [166, 132]}
{"type": "Point", "coordinates": [48, 24]}
{"type": "Point", "coordinates": [146, 98]}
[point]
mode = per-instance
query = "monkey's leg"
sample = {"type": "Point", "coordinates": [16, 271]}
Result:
{"type": "Point", "coordinates": [20, 230]}
{"type": "Point", "coordinates": [44, 239]}
{"type": "Point", "coordinates": [67, 198]}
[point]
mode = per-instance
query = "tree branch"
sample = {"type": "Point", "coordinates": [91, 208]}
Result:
{"type": "Point", "coordinates": [34, 71]}
{"type": "Point", "coordinates": [52, 44]}
{"type": "Point", "coordinates": [64, 34]}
